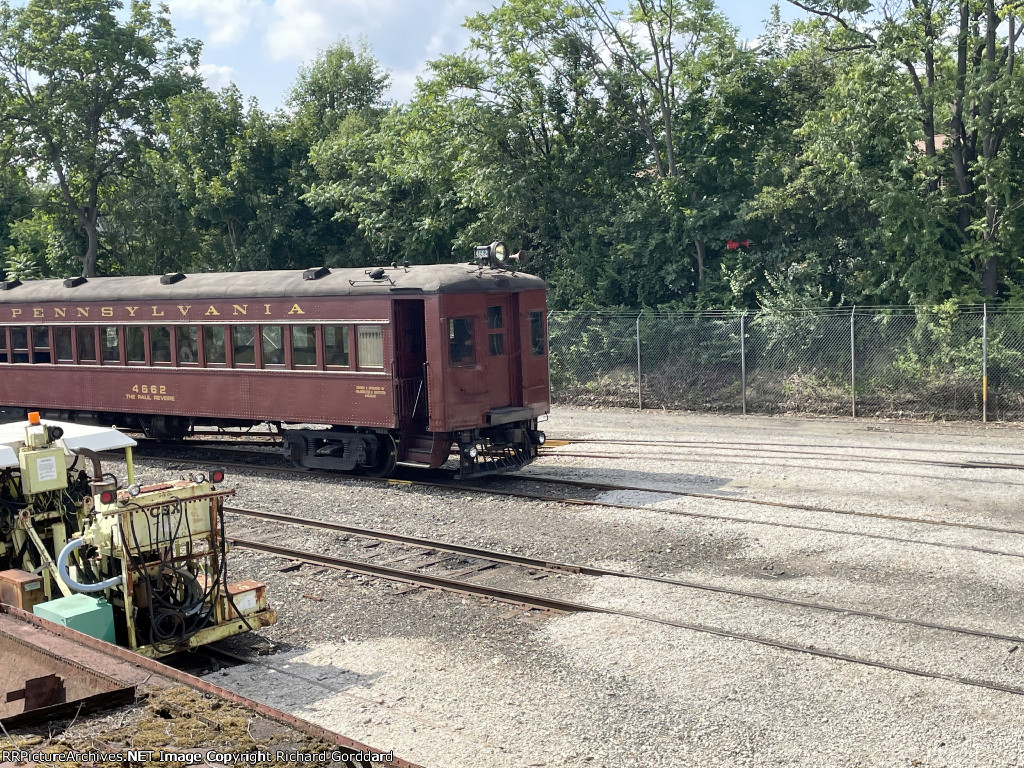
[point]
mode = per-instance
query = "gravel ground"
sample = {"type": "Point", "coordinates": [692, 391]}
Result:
{"type": "Point", "coordinates": [448, 680]}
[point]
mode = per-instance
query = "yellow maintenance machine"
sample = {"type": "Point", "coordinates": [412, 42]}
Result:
{"type": "Point", "coordinates": [143, 566]}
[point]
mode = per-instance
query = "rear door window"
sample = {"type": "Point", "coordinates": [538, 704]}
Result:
{"type": "Point", "coordinates": [538, 343]}
{"type": "Point", "coordinates": [460, 341]}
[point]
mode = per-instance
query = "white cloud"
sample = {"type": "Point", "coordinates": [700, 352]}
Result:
{"type": "Point", "coordinates": [226, 21]}
{"type": "Point", "coordinates": [218, 76]}
{"type": "Point", "coordinates": [299, 29]}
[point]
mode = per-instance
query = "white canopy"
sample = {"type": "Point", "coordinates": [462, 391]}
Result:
{"type": "Point", "coordinates": [12, 437]}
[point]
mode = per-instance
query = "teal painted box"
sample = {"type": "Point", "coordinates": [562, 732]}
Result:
{"type": "Point", "coordinates": [92, 616]}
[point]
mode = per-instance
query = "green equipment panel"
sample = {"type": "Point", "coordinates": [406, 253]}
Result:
{"type": "Point", "coordinates": [91, 616]}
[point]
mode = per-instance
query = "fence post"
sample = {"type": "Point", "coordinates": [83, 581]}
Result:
{"type": "Point", "coordinates": [743, 359]}
{"type": "Point", "coordinates": [853, 362]}
{"type": "Point", "coordinates": [639, 370]}
{"type": "Point", "coordinates": [984, 362]}
{"type": "Point", "coordinates": [548, 344]}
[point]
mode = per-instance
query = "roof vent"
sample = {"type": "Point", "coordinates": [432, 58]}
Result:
{"type": "Point", "coordinates": [376, 274]}
{"type": "Point", "coordinates": [171, 278]}
{"type": "Point", "coordinates": [74, 282]}
{"type": "Point", "coordinates": [316, 273]}
{"type": "Point", "coordinates": [6, 286]}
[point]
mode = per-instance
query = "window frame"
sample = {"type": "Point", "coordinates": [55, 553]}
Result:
{"type": "Point", "coordinates": [316, 365]}
{"type": "Point", "coordinates": [145, 362]}
{"type": "Point", "coordinates": [256, 351]}
{"type": "Point", "coordinates": [204, 346]}
{"type": "Point", "coordinates": [95, 331]}
{"type": "Point", "coordinates": [359, 364]}
{"type": "Point", "coordinates": [38, 349]}
{"type": "Point", "coordinates": [119, 335]}
{"type": "Point", "coordinates": [349, 355]}
{"type": "Point", "coordinates": [283, 346]}
{"type": "Point", "coordinates": [151, 340]}
{"type": "Point", "coordinates": [194, 363]}
{"type": "Point", "coordinates": [54, 330]}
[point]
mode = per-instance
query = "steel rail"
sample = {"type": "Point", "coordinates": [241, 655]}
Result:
{"type": "Point", "coordinates": [678, 512]}
{"type": "Point", "coordinates": [752, 446]}
{"type": "Point", "coordinates": [752, 461]}
{"type": "Point", "coordinates": [588, 570]}
{"type": "Point", "coordinates": [850, 458]}
{"type": "Point", "coordinates": [565, 606]}
{"type": "Point", "coordinates": [761, 502]}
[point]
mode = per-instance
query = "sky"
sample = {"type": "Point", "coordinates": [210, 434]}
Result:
{"type": "Point", "coordinates": [260, 44]}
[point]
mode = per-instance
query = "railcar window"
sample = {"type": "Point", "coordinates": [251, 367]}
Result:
{"type": "Point", "coordinates": [188, 344]}
{"type": "Point", "coordinates": [537, 333]}
{"type": "Point", "coordinates": [3, 345]}
{"type": "Point", "coordinates": [19, 343]}
{"type": "Point", "coordinates": [460, 341]}
{"type": "Point", "coordinates": [273, 345]}
{"type": "Point", "coordinates": [109, 344]}
{"type": "Point", "coordinates": [304, 346]}
{"type": "Point", "coordinates": [135, 344]}
{"type": "Point", "coordinates": [495, 341]}
{"type": "Point", "coordinates": [370, 346]}
{"type": "Point", "coordinates": [243, 339]}
{"type": "Point", "coordinates": [86, 345]}
{"type": "Point", "coordinates": [160, 344]}
{"type": "Point", "coordinates": [41, 344]}
{"type": "Point", "coordinates": [213, 338]}
{"type": "Point", "coordinates": [336, 346]}
{"type": "Point", "coordinates": [494, 319]}
{"type": "Point", "coordinates": [61, 340]}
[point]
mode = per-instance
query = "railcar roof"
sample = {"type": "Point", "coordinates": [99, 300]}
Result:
{"type": "Point", "coordinates": [442, 278]}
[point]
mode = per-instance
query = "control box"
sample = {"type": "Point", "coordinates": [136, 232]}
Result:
{"type": "Point", "coordinates": [43, 469]}
{"type": "Point", "coordinates": [21, 589]}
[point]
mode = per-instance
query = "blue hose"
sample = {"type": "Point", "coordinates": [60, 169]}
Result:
{"type": "Point", "coordinates": [62, 570]}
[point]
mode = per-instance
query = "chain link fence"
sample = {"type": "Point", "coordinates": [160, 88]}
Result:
{"type": "Point", "coordinates": [902, 362]}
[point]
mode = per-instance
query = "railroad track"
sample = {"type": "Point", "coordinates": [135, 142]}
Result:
{"type": "Point", "coordinates": [844, 458]}
{"type": "Point", "coordinates": [598, 486]}
{"type": "Point", "coordinates": [755, 446]}
{"type": "Point", "coordinates": [530, 600]}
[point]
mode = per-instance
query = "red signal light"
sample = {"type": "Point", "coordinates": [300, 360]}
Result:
{"type": "Point", "coordinates": [108, 497]}
{"type": "Point", "coordinates": [217, 476]}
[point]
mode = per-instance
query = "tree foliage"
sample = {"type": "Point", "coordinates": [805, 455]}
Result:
{"type": "Point", "coordinates": [640, 152]}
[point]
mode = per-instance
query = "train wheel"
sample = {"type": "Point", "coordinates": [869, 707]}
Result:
{"type": "Point", "coordinates": [387, 457]}
{"type": "Point", "coordinates": [296, 449]}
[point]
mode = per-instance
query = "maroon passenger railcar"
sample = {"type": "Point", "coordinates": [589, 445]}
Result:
{"type": "Point", "coordinates": [387, 364]}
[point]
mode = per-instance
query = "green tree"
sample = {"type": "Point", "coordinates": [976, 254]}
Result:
{"type": "Point", "coordinates": [963, 97]}
{"type": "Point", "coordinates": [79, 88]}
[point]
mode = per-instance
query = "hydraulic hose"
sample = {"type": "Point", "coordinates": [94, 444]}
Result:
{"type": "Point", "coordinates": [62, 570]}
